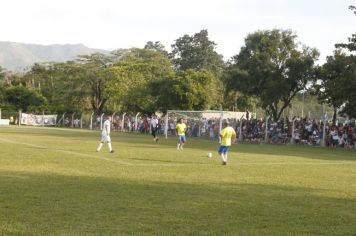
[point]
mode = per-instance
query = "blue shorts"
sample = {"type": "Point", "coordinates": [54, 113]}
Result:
{"type": "Point", "coordinates": [223, 149]}
{"type": "Point", "coordinates": [181, 138]}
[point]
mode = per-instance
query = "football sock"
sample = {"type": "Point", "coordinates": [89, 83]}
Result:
{"type": "Point", "coordinates": [110, 148]}
{"type": "Point", "coordinates": [178, 145]}
{"type": "Point", "coordinates": [222, 156]}
{"type": "Point", "coordinates": [225, 156]}
{"type": "Point", "coordinates": [99, 147]}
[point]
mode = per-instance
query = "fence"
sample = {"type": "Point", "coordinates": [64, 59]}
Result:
{"type": "Point", "coordinates": [296, 131]}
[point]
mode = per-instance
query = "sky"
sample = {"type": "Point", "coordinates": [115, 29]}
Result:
{"type": "Point", "coordinates": [113, 24]}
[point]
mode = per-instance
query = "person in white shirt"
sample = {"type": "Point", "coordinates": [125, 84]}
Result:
{"type": "Point", "coordinates": [335, 138]}
{"type": "Point", "coordinates": [105, 135]}
{"type": "Point", "coordinates": [154, 126]}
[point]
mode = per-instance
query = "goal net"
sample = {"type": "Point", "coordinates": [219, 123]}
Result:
{"type": "Point", "coordinates": [206, 124]}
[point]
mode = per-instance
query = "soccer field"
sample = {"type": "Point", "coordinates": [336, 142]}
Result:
{"type": "Point", "coordinates": [53, 182]}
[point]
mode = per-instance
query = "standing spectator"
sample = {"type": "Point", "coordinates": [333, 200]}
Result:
{"type": "Point", "coordinates": [334, 138]}
{"type": "Point", "coordinates": [146, 124]}
{"type": "Point", "coordinates": [98, 120]}
{"type": "Point", "coordinates": [66, 122]}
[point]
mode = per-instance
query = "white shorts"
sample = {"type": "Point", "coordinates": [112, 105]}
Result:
{"type": "Point", "coordinates": [105, 138]}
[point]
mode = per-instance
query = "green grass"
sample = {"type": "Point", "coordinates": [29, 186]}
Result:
{"type": "Point", "coordinates": [52, 182]}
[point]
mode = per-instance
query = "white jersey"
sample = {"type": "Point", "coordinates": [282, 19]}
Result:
{"type": "Point", "coordinates": [105, 133]}
{"type": "Point", "coordinates": [154, 122]}
{"type": "Point", "coordinates": [106, 128]}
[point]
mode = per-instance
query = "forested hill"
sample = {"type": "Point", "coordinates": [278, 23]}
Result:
{"type": "Point", "coordinates": [17, 56]}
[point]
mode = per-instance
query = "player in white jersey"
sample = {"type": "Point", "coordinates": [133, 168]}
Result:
{"type": "Point", "coordinates": [105, 135]}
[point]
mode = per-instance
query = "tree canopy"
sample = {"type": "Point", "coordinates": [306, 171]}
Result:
{"type": "Point", "coordinates": [271, 68]}
{"type": "Point", "coordinates": [268, 72]}
{"type": "Point", "coordinates": [196, 52]}
{"type": "Point", "coordinates": [20, 97]}
{"type": "Point", "coordinates": [335, 82]}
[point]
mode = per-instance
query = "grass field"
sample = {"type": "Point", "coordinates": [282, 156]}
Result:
{"type": "Point", "coordinates": [52, 182]}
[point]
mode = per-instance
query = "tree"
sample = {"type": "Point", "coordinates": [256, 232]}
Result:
{"type": "Point", "coordinates": [131, 76]}
{"type": "Point", "coordinates": [156, 46]}
{"type": "Point", "coordinates": [62, 84]}
{"type": "Point", "coordinates": [196, 52]}
{"type": "Point", "coordinates": [235, 100]}
{"type": "Point", "coordinates": [349, 107]}
{"type": "Point", "coordinates": [348, 91]}
{"type": "Point", "coordinates": [20, 97]}
{"type": "Point", "coordinates": [188, 90]}
{"type": "Point", "coordinates": [2, 73]}
{"type": "Point", "coordinates": [334, 79]}
{"type": "Point", "coordinates": [270, 67]}
{"type": "Point", "coordinates": [93, 79]}
{"type": "Point", "coordinates": [101, 83]}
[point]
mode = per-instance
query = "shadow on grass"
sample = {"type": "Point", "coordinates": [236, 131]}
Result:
{"type": "Point", "coordinates": [66, 205]}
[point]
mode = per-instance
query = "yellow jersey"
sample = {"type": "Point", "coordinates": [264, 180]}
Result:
{"type": "Point", "coordinates": [226, 134]}
{"type": "Point", "coordinates": [181, 129]}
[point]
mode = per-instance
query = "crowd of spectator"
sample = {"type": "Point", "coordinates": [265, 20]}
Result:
{"type": "Point", "coordinates": [305, 131]}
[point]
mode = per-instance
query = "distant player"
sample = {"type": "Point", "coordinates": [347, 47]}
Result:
{"type": "Point", "coordinates": [154, 127]}
{"type": "Point", "coordinates": [180, 132]}
{"type": "Point", "coordinates": [226, 135]}
{"type": "Point", "coordinates": [105, 135]}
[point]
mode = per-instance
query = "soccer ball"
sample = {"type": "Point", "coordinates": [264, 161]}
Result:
{"type": "Point", "coordinates": [210, 155]}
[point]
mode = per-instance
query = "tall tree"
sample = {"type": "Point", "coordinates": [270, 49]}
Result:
{"type": "Point", "coordinates": [349, 89]}
{"type": "Point", "coordinates": [270, 67]}
{"type": "Point", "coordinates": [129, 87]}
{"type": "Point", "coordinates": [61, 84]}
{"type": "Point", "coordinates": [2, 89]}
{"type": "Point", "coordinates": [196, 52]}
{"type": "Point", "coordinates": [2, 73]}
{"type": "Point", "coordinates": [187, 90]}
{"type": "Point", "coordinates": [334, 80]}
{"type": "Point", "coordinates": [20, 97]}
{"type": "Point", "coordinates": [156, 46]}
{"type": "Point", "coordinates": [94, 80]}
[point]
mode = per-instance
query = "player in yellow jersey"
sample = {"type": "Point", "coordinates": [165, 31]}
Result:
{"type": "Point", "coordinates": [180, 132]}
{"type": "Point", "coordinates": [225, 137]}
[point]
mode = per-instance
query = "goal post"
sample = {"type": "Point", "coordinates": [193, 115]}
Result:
{"type": "Point", "coordinates": [206, 124]}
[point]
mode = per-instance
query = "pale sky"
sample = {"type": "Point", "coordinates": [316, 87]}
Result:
{"type": "Point", "coordinates": [110, 24]}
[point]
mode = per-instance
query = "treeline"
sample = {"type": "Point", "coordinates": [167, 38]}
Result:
{"type": "Point", "coordinates": [268, 72]}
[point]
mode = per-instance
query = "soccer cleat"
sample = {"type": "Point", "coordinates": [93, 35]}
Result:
{"type": "Point", "coordinates": [156, 140]}
{"type": "Point", "coordinates": [224, 163]}
{"type": "Point", "coordinates": [112, 151]}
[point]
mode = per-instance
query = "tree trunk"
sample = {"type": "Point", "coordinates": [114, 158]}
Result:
{"type": "Point", "coordinates": [334, 116]}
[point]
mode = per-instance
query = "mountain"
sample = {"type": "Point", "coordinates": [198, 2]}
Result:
{"type": "Point", "coordinates": [17, 56]}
